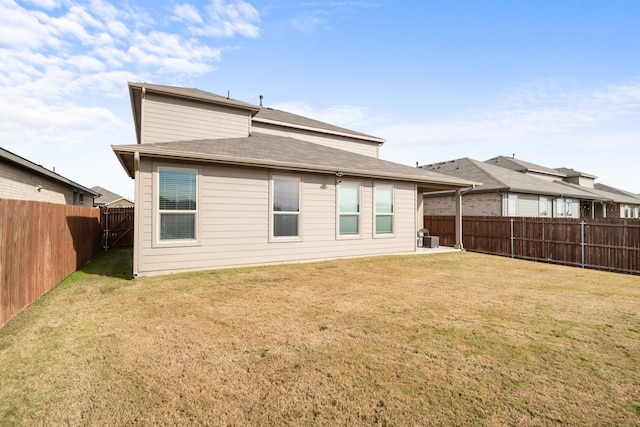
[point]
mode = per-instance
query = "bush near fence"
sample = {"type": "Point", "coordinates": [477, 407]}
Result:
{"type": "Point", "coordinates": [611, 244]}
{"type": "Point", "coordinates": [40, 245]}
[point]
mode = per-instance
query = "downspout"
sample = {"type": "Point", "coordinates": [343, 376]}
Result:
{"type": "Point", "coordinates": [459, 244]}
{"type": "Point", "coordinates": [142, 98]}
{"type": "Point", "coordinates": [136, 213]}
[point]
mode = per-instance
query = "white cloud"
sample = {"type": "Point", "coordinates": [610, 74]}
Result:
{"type": "Point", "coordinates": [309, 22]}
{"type": "Point", "coordinates": [227, 19]}
{"type": "Point", "coordinates": [23, 30]}
{"type": "Point", "coordinates": [187, 13]}
{"type": "Point", "coordinates": [526, 113]}
{"type": "Point", "coordinates": [319, 14]}
{"type": "Point", "coordinates": [45, 4]}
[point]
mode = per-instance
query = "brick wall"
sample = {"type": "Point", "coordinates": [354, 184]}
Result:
{"type": "Point", "coordinates": [484, 204]}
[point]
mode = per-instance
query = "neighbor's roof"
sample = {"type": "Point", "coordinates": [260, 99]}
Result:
{"type": "Point", "coordinates": [259, 114]}
{"type": "Point", "coordinates": [616, 195]}
{"type": "Point", "coordinates": [39, 169]}
{"type": "Point", "coordinates": [280, 152]}
{"type": "Point", "coordinates": [568, 172]}
{"type": "Point", "coordinates": [497, 178]}
{"type": "Point", "coordinates": [106, 197]}
{"type": "Point", "coordinates": [522, 166]}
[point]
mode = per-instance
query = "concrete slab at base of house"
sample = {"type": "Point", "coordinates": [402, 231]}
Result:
{"type": "Point", "coordinates": [439, 249]}
{"type": "Point", "coordinates": [418, 251]}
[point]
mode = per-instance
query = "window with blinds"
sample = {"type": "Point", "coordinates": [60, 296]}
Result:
{"type": "Point", "coordinates": [286, 206]}
{"type": "Point", "coordinates": [384, 209]}
{"type": "Point", "coordinates": [349, 208]}
{"type": "Point", "coordinates": [177, 206]}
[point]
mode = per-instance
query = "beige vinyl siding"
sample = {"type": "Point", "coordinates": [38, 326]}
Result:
{"type": "Point", "coordinates": [234, 223]}
{"type": "Point", "coordinates": [528, 205]}
{"type": "Point", "coordinates": [366, 148]}
{"type": "Point", "coordinates": [173, 119]}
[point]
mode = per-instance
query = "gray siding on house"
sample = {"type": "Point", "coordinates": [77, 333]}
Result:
{"type": "Point", "coordinates": [234, 222]}
{"type": "Point", "coordinates": [172, 119]}
{"type": "Point", "coordinates": [366, 148]}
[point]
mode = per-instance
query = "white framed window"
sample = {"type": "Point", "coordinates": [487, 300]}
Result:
{"type": "Point", "coordinates": [513, 205]}
{"type": "Point", "coordinates": [177, 205]}
{"type": "Point", "coordinates": [568, 207]}
{"type": "Point", "coordinates": [628, 211]}
{"type": "Point", "coordinates": [384, 209]}
{"type": "Point", "coordinates": [543, 206]}
{"type": "Point", "coordinates": [348, 202]}
{"type": "Point", "coordinates": [285, 207]}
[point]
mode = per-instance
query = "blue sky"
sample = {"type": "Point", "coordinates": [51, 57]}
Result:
{"type": "Point", "coordinates": [553, 82]}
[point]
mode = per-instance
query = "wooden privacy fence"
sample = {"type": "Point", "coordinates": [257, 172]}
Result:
{"type": "Point", "coordinates": [611, 244]}
{"type": "Point", "coordinates": [40, 245]}
{"type": "Point", "coordinates": [117, 225]}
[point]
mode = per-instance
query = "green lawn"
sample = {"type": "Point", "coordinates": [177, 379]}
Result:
{"type": "Point", "coordinates": [442, 339]}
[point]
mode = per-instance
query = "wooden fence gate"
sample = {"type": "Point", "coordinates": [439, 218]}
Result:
{"type": "Point", "coordinates": [117, 231]}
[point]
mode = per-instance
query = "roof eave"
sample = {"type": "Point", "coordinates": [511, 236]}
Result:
{"type": "Point", "coordinates": [121, 151]}
{"type": "Point", "coordinates": [210, 100]}
{"type": "Point", "coordinates": [320, 130]}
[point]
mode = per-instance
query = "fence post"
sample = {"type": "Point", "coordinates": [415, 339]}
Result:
{"type": "Point", "coordinates": [512, 240]}
{"type": "Point", "coordinates": [106, 229]}
{"type": "Point", "coordinates": [582, 240]}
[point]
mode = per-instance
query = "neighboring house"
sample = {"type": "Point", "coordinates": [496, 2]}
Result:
{"type": "Point", "coordinates": [109, 199]}
{"type": "Point", "coordinates": [220, 183]}
{"type": "Point", "coordinates": [615, 203]}
{"type": "Point", "coordinates": [505, 192]}
{"type": "Point", "coordinates": [24, 180]}
{"type": "Point", "coordinates": [513, 187]}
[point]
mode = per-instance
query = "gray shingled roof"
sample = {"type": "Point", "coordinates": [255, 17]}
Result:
{"type": "Point", "coordinates": [271, 115]}
{"type": "Point", "coordinates": [497, 178]}
{"type": "Point", "coordinates": [568, 172]}
{"type": "Point", "coordinates": [617, 195]}
{"type": "Point", "coordinates": [194, 93]}
{"type": "Point", "coordinates": [272, 151]}
{"type": "Point", "coordinates": [106, 196]}
{"type": "Point", "coordinates": [522, 166]}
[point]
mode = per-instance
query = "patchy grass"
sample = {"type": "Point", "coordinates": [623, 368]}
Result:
{"type": "Point", "coordinates": [443, 339]}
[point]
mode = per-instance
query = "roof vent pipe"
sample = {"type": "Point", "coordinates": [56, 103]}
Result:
{"type": "Point", "coordinates": [261, 97]}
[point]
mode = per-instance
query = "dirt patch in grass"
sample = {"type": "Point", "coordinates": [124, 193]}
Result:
{"type": "Point", "coordinates": [443, 339]}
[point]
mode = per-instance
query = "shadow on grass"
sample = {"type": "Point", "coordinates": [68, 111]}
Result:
{"type": "Point", "coordinates": [116, 263]}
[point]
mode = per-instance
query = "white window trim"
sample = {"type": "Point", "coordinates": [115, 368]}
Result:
{"type": "Point", "coordinates": [299, 237]}
{"type": "Point", "coordinates": [375, 213]}
{"type": "Point", "coordinates": [338, 213]}
{"type": "Point", "coordinates": [155, 238]}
